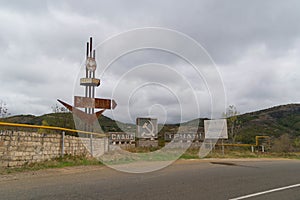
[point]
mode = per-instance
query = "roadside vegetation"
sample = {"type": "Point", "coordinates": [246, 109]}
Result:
{"type": "Point", "coordinates": [281, 124]}
{"type": "Point", "coordinates": [66, 161]}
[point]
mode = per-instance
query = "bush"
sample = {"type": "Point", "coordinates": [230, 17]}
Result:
{"type": "Point", "coordinates": [283, 144]}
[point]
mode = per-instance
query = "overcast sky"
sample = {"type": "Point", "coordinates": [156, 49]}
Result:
{"type": "Point", "coordinates": [254, 44]}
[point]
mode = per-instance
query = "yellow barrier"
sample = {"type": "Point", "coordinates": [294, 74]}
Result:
{"type": "Point", "coordinates": [51, 128]}
{"type": "Point", "coordinates": [261, 136]}
{"type": "Point", "coordinates": [236, 145]}
{"type": "Point", "coordinates": [248, 145]}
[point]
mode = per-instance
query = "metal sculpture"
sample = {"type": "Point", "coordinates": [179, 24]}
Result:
{"type": "Point", "coordinates": [89, 102]}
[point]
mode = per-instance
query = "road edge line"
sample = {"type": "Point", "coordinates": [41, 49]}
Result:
{"type": "Point", "coordinates": [265, 192]}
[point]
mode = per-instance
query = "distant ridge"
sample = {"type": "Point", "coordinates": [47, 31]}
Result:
{"type": "Point", "coordinates": [273, 122]}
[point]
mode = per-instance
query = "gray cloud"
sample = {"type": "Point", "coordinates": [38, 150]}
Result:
{"type": "Point", "coordinates": [255, 44]}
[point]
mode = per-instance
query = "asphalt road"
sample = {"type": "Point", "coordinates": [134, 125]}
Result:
{"type": "Point", "coordinates": [209, 179]}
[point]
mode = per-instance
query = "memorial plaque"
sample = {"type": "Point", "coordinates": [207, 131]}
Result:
{"type": "Point", "coordinates": [182, 137]}
{"type": "Point", "coordinates": [121, 137]}
{"type": "Point", "coordinates": [146, 128]}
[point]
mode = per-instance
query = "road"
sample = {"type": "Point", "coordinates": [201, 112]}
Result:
{"type": "Point", "coordinates": [197, 179]}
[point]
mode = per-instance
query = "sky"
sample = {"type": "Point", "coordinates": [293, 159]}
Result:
{"type": "Point", "coordinates": [249, 49]}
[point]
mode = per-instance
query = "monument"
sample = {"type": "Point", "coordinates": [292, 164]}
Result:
{"type": "Point", "coordinates": [89, 103]}
{"type": "Point", "coordinates": [146, 132]}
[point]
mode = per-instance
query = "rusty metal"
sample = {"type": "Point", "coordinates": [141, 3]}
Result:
{"type": "Point", "coordinates": [86, 102]}
{"type": "Point", "coordinates": [105, 103]}
{"type": "Point", "coordinates": [89, 102]}
{"type": "Point", "coordinates": [88, 118]}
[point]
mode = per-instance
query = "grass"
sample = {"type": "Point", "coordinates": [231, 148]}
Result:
{"type": "Point", "coordinates": [66, 161]}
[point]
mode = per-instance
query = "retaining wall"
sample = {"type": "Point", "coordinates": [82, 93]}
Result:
{"type": "Point", "coordinates": [18, 148]}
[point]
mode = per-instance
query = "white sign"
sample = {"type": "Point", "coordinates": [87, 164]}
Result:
{"type": "Point", "coordinates": [215, 129]}
{"type": "Point", "coordinates": [121, 136]}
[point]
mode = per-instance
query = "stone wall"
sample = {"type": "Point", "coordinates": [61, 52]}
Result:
{"type": "Point", "coordinates": [18, 148]}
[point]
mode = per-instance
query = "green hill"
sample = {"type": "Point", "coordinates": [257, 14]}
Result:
{"type": "Point", "coordinates": [274, 122]}
{"type": "Point", "coordinates": [62, 120]}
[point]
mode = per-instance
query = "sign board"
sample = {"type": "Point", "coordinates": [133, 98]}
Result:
{"type": "Point", "coordinates": [215, 129]}
{"type": "Point", "coordinates": [86, 102]}
{"type": "Point", "coordinates": [121, 137]}
{"type": "Point", "coordinates": [182, 136]}
{"type": "Point", "coordinates": [146, 128]}
{"type": "Point", "coordinates": [90, 81]}
{"type": "Point", "coordinates": [105, 103]}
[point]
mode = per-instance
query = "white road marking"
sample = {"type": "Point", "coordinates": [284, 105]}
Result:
{"type": "Point", "coordinates": [265, 192]}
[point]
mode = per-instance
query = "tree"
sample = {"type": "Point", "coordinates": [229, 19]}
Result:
{"type": "Point", "coordinates": [44, 123]}
{"type": "Point", "coordinates": [296, 143]}
{"type": "Point", "coordinates": [59, 109]}
{"type": "Point", "coordinates": [3, 110]}
{"type": "Point", "coordinates": [233, 122]}
{"type": "Point", "coordinates": [61, 117]}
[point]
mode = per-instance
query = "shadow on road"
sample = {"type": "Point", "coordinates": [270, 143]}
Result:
{"type": "Point", "coordinates": [231, 164]}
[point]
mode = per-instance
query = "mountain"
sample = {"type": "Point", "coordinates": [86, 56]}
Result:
{"type": "Point", "coordinates": [63, 120]}
{"type": "Point", "coordinates": [274, 122]}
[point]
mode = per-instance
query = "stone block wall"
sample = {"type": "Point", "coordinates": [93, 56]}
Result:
{"type": "Point", "coordinates": [18, 148]}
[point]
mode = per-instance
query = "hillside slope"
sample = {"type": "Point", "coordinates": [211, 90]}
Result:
{"type": "Point", "coordinates": [62, 120]}
{"type": "Point", "coordinates": [273, 122]}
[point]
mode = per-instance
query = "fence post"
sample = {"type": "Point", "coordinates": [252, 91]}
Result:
{"type": "Point", "coordinates": [252, 149]}
{"type": "Point", "coordinates": [222, 147]}
{"type": "Point", "coordinates": [91, 144]}
{"type": "Point", "coordinates": [62, 144]}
